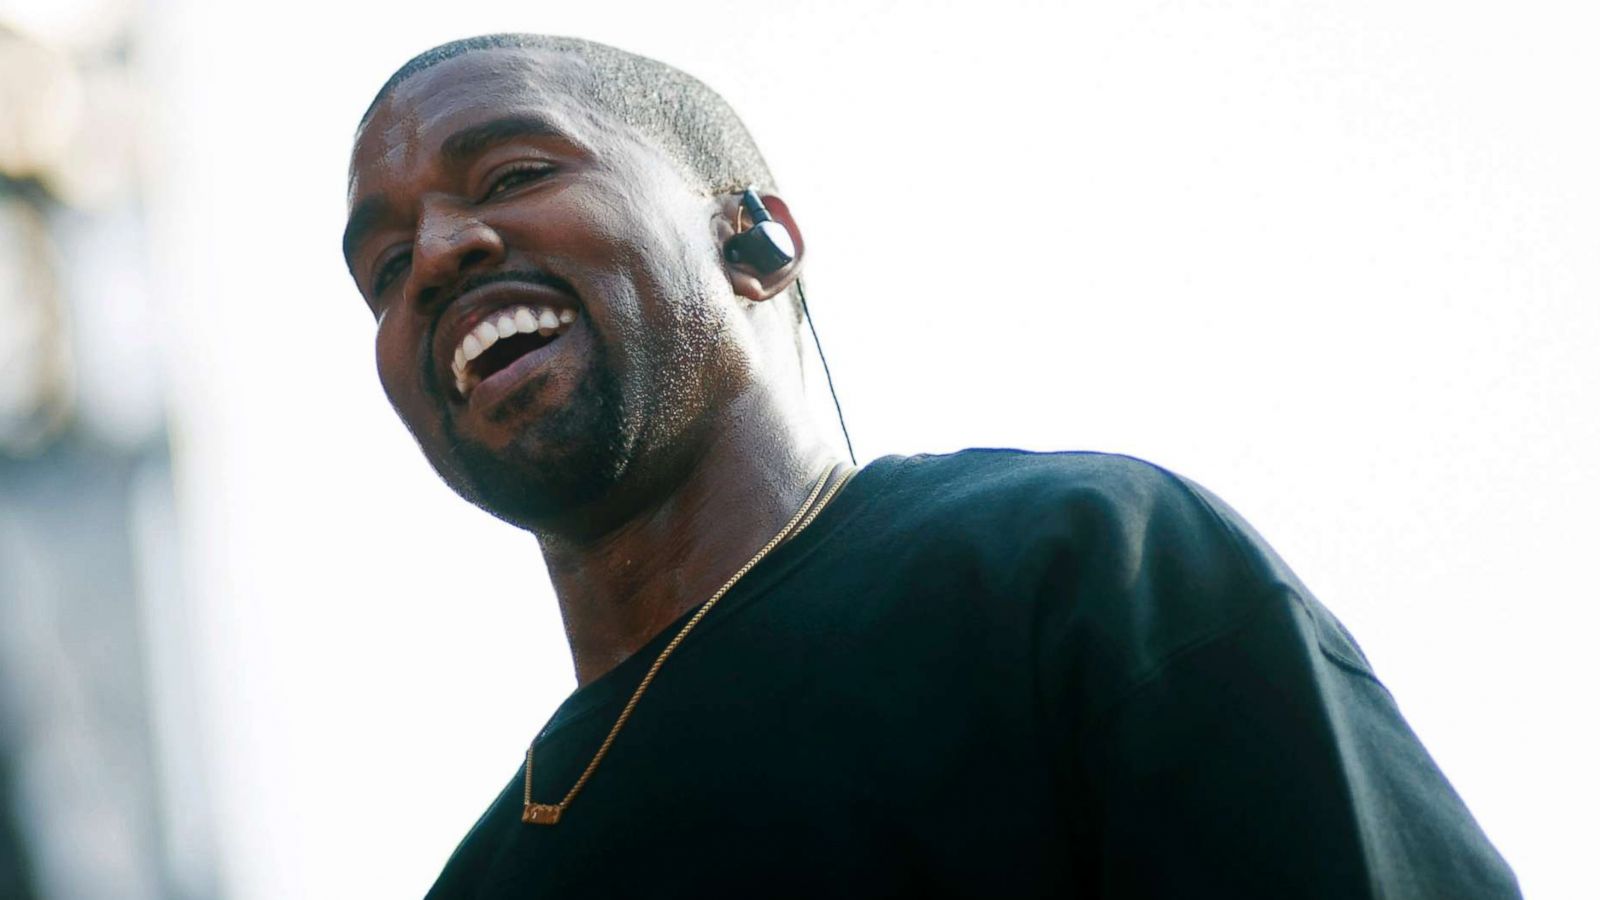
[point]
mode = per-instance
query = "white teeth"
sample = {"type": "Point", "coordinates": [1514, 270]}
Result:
{"type": "Point", "coordinates": [545, 320]}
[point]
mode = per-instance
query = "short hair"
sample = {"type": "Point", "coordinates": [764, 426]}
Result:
{"type": "Point", "coordinates": [689, 121]}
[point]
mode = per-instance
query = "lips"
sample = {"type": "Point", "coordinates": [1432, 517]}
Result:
{"type": "Point", "coordinates": [491, 328]}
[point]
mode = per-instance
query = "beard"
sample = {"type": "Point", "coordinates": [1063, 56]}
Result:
{"type": "Point", "coordinates": [641, 420]}
{"type": "Point", "coordinates": [561, 460]}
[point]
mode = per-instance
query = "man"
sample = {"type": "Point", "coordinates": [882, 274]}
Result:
{"type": "Point", "coordinates": [987, 674]}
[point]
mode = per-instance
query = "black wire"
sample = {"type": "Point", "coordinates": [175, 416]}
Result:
{"type": "Point", "coordinates": [810, 322]}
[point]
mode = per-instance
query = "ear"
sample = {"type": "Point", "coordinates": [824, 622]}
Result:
{"type": "Point", "coordinates": [747, 281]}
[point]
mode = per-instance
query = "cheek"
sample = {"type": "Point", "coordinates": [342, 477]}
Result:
{"type": "Point", "coordinates": [630, 226]}
{"type": "Point", "coordinates": [391, 368]}
{"type": "Point", "coordinates": [396, 355]}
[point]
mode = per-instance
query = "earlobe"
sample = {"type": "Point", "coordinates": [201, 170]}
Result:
{"type": "Point", "coordinates": [763, 250]}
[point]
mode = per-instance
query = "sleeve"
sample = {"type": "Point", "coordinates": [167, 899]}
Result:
{"type": "Point", "coordinates": [1224, 736]}
{"type": "Point", "coordinates": [1257, 764]}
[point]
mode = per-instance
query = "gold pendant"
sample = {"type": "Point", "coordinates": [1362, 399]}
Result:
{"type": "Point", "coordinates": [540, 813]}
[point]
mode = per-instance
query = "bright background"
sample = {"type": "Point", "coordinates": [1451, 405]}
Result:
{"type": "Point", "coordinates": [1337, 262]}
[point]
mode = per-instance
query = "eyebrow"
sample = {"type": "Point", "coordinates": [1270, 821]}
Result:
{"type": "Point", "coordinates": [464, 144]}
{"type": "Point", "coordinates": [456, 149]}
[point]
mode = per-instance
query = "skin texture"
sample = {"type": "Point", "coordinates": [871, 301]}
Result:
{"type": "Point", "coordinates": [664, 438]}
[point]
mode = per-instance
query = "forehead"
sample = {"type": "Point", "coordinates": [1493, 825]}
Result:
{"type": "Point", "coordinates": [410, 125]}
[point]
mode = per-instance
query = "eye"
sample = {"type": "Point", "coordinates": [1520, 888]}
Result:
{"type": "Point", "coordinates": [389, 271]}
{"type": "Point", "coordinates": [512, 179]}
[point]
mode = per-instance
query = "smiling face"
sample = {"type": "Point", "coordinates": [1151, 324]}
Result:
{"type": "Point", "coordinates": [554, 318]}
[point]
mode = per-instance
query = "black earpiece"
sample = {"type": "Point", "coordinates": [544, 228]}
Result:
{"type": "Point", "coordinates": [767, 246]}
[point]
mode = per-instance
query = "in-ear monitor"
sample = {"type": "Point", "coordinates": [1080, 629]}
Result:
{"type": "Point", "coordinates": [767, 245]}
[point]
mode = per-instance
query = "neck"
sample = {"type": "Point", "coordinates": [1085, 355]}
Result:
{"type": "Point", "coordinates": [620, 588]}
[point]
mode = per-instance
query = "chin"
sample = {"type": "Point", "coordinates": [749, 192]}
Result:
{"type": "Point", "coordinates": [554, 469]}
{"type": "Point", "coordinates": [535, 493]}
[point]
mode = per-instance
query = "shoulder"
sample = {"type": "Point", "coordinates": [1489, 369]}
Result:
{"type": "Point", "coordinates": [1122, 562]}
{"type": "Point", "coordinates": [989, 470]}
{"type": "Point", "coordinates": [1127, 514]}
{"type": "Point", "coordinates": [1011, 481]}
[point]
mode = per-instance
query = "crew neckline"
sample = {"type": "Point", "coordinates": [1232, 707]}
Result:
{"type": "Point", "coordinates": [623, 678]}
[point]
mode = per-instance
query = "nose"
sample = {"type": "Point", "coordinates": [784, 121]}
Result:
{"type": "Point", "coordinates": [450, 243]}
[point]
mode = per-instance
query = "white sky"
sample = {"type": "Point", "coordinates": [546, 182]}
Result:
{"type": "Point", "coordinates": [1335, 262]}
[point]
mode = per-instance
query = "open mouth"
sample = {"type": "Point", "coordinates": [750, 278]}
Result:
{"type": "Point", "coordinates": [503, 338]}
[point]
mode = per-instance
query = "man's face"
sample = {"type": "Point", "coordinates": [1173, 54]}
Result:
{"type": "Point", "coordinates": [552, 312]}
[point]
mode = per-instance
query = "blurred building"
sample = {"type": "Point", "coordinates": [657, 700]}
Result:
{"type": "Point", "coordinates": [100, 777]}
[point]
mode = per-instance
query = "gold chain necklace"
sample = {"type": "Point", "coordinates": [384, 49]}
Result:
{"type": "Point", "coordinates": [550, 813]}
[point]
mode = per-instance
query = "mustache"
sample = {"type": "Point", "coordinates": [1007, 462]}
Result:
{"type": "Point", "coordinates": [536, 277]}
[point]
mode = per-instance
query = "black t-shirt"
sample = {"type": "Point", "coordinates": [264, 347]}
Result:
{"type": "Point", "coordinates": [996, 674]}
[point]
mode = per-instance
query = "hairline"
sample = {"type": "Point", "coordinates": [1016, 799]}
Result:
{"type": "Point", "coordinates": [589, 104]}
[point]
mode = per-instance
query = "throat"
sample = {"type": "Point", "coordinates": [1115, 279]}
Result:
{"type": "Point", "coordinates": [618, 594]}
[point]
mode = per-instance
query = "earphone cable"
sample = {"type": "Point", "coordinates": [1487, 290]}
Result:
{"type": "Point", "coordinates": [812, 324]}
